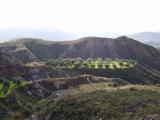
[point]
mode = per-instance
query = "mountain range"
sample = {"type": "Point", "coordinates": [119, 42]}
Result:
{"type": "Point", "coordinates": [28, 49]}
{"type": "Point", "coordinates": [150, 38]}
{"type": "Point", "coordinates": [42, 33]}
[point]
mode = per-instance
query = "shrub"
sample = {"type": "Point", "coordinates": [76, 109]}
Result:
{"type": "Point", "coordinates": [133, 89]}
{"type": "Point", "coordinates": [115, 84]}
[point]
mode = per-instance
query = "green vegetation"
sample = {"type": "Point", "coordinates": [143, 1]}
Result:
{"type": "Point", "coordinates": [105, 105]}
{"type": "Point", "coordinates": [83, 98]}
{"type": "Point", "coordinates": [128, 70]}
{"type": "Point", "coordinates": [79, 89]}
{"type": "Point", "coordinates": [91, 63]}
{"type": "Point", "coordinates": [7, 86]}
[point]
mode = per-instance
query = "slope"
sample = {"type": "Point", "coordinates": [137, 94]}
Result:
{"type": "Point", "coordinates": [88, 47]}
{"type": "Point", "coordinates": [71, 98]}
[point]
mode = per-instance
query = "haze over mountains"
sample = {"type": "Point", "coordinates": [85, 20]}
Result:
{"type": "Point", "coordinates": [150, 38]}
{"type": "Point", "coordinates": [47, 34]}
{"type": "Point", "coordinates": [42, 33]}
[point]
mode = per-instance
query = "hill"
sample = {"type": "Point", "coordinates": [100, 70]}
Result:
{"type": "Point", "coordinates": [71, 98]}
{"type": "Point", "coordinates": [23, 97]}
{"type": "Point", "coordinates": [88, 47]}
{"type": "Point", "coordinates": [128, 70]}
{"type": "Point", "coordinates": [8, 59]}
{"type": "Point", "coordinates": [103, 105]}
{"type": "Point", "coordinates": [10, 65]}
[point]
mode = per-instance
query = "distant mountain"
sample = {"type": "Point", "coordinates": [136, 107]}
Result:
{"type": "Point", "coordinates": [150, 38]}
{"type": "Point", "coordinates": [48, 34]}
{"type": "Point", "coordinates": [154, 44]}
{"type": "Point", "coordinates": [87, 47]}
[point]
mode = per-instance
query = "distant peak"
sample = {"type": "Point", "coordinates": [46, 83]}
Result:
{"type": "Point", "coordinates": [122, 37]}
{"type": "Point", "coordinates": [91, 37]}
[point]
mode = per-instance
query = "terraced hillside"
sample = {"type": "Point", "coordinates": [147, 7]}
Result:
{"type": "Point", "coordinates": [71, 98]}
{"type": "Point", "coordinates": [92, 63]}
{"type": "Point", "coordinates": [128, 70]}
{"type": "Point", "coordinates": [22, 99]}
{"type": "Point", "coordinates": [79, 89]}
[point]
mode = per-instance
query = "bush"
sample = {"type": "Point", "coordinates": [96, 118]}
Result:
{"type": "Point", "coordinates": [115, 84]}
{"type": "Point", "coordinates": [133, 89]}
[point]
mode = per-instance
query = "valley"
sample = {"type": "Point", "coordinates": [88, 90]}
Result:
{"type": "Point", "coordinates": [90, 78]}
{"type": "Point", "coordinates": [79, 60]}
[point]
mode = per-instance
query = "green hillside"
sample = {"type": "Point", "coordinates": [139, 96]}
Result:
{"type": "Point", "coordinates": [128, 70]}
{"type": "Point", "coordinates": [104, 105]}
{"type": "Point", "coordinates": [73, 97]}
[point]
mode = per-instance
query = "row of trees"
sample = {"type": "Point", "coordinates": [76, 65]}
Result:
{"type": "Point", "coordinates": [91, 63]}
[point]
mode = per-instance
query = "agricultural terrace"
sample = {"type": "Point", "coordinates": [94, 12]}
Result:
{"type": "Point", "coordinates": [98, 63]}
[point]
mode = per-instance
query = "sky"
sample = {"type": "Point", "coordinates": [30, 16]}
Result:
{"type": "Point", "coordinates": [82, 16]}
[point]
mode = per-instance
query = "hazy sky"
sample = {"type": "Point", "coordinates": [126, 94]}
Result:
{"type": "Point", "coordinates": [82, 16]}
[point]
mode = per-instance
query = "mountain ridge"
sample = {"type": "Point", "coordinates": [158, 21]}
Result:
{"type": "Point", "coordinates": [87, 47]}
